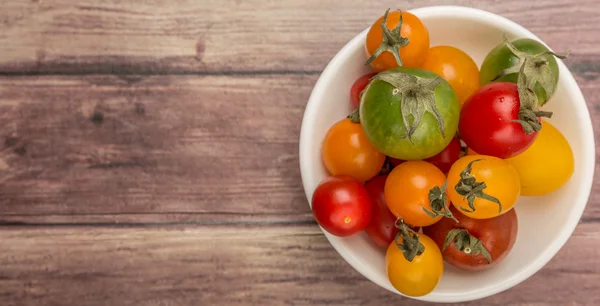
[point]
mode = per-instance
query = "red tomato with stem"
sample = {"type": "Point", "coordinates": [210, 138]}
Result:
{"type": "Point", "coordinates": [381, 229]}
{"type": "Point", "coordinates": [493, 121]}
{"type": "Point", "coordinates": [474, 244]}
{"type": "Point", "coordinates": [358, 86]}
{"type": "Point", "coordinates": [341, 205]}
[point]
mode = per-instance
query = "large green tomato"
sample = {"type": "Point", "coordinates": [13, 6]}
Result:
{"type": "Point", "coordinates": [502, 58]}
{"type": "Point", "coordinates": [420, 104]}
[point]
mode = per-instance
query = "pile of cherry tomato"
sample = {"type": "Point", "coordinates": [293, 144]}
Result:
{"type": "Point", "coordinates": [438, 150]}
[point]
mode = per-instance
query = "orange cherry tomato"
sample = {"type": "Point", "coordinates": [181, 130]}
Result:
{"type": "Point", "coordinates": [412, 55]}
{"type": "Point", "coordinates": [347, 151]}
{"type": "Point", "coordinates": [407, 191]}
{"type": "Point", "coordinates": [456, 67]}
{"type": "Point", "coordinates": [499, 194]}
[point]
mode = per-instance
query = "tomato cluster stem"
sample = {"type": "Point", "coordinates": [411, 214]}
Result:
{"type": "Point", "coordinates": [532, 69]}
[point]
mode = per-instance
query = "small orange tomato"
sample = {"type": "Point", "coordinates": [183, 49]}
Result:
{"type": "Point", "coordinates": [482, 186]}
{"type": "Point", "coordinates": [347, 151]}
{"type": "Point", "coordinates": [407, 190]}
{"type": "Point", "coordinates": [411, 44]}
{"type": "Point", "coordinates": [456, 67]}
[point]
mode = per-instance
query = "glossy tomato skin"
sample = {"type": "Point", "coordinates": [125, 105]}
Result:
{"type": "Point", "coordinates": [445, 159]}
{"type": "Point", "coordinates": [501, 58]}
{"type": "Point", "coordinates": [381, 229]}
{"type": "Point", "coordinates": [347, 151]}
{"type": "Point", "coordinates": [342, 206]}
{"type": "Point", "coordinates": [419, 276]}
{"type": "Point", "coordinates": [497, 235]}
{"type": "Point", "coordinates": [456, 67]}
{"type": "Point", "coordinates": [407, 191]}
{"type": "Point", "coordinates": [501, 179]}
{"type": "Point", "coordinates": [547, 164]}
{"type": "Point", "coordinates": [413, 55]}
{"type": "Point", "coordinates": [381, 119]}
{"type": "Point", "coordinates": [358, 86]}
{"type": "Point", "coordinates": [487, 122]}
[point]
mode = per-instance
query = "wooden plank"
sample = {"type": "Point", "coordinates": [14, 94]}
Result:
{"type": "Point", "coordinates": [235, 266]}
{"type": "Point", "coordinates": [176, 149]}
{"type": "Point", "coordinates": [187, 36]}
{"type": "Point", "coordinates": [105, 144]}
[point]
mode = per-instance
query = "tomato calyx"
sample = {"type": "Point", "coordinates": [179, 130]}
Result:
{"type": "Point", "coordinates": [354, 116]}
{"type": "Point", "coordinates": [466, 243]}
{"type": "Point", "coordinates": [470, 189]}
{"type": "Point", "coordinates": [392, 40]}
{"type": "Point", "coordinates": [528, 113]}
{"type": "Point", "coordinates": [534, 67]}
{"type": "Point", "coordinates": [437, 201]}
{"type": "Point", "coordinates": [410, 246]}
{"type": "Point", "coordinates": [417, 98]}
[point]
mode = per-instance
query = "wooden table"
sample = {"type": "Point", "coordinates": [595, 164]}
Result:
{"type": "Point", "coordinates": [150, 156]}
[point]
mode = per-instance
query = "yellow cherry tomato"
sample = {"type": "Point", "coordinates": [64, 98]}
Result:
{"type": "Point", "coordinates": [546, 165]}
{"type": "Point", "coordinates": [419, 276]}
{"type": "Point", "coordinates": [469, 194]}
{"type": "Point", "coordinates": [347, 151]}
{"type": "Point", "coordinates": [456, 67]}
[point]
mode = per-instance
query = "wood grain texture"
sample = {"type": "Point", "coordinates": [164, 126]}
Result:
{"type": "Point", "coordinates": [275, 265]}
{"type": "Point", "coordinates": [163, 144]}
{"type": "Point", "coordinates": [211, 36]}
{"type": "Point", "coordinates": [149, 156]}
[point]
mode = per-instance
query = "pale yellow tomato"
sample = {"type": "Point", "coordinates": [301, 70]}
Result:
{"type": "Point", "coordinates": [546, 165]}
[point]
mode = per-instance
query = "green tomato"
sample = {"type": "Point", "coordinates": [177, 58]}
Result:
{"type": "Point", "coordinates": [388, 121]}
{"type": "Point", "coordinates": [501, 58]}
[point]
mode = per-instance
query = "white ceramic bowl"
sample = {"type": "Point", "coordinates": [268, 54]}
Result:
{"type": "Point", "coordinates": [556, 215]}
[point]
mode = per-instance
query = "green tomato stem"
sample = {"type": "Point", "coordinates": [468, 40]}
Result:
{"type": "Point", "coordinates": [392, 40]}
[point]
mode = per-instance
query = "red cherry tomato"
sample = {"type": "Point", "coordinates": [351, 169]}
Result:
{"type": "Point", "coordinates": [442, 160]}
{"type": "Point", "coordinates": [445, 159]}
{"type": "Point", "coordinates": [381, 229]}
{"type": "Point", "coordinates": [358, 86]}
{"type": "Point", "coordinates": [497, 236]}
{"type": "Point", "coordinates": [488, 121]}
{"type": "Point", "coordinates": [341, 205]}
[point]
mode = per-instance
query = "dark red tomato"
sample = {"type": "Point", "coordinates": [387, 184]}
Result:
{"type": "Point", "coordinates": [358, 86]}
{"type": "Point", "coordinates": [381, 229]}
{"type": "Point", "coordinates": [395, 161]}
{"type": "Point", "coordinates": [497, 236]}
{"type": "Point", "coordinates": [488, 121]}
{"type": "Point", "coordinates": [342, 206]}
{"type": "Point", "coordinates": [445, 159]}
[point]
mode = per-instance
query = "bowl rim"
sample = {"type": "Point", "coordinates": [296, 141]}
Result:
{"type": "Point", "coordinates": [587, 174]}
